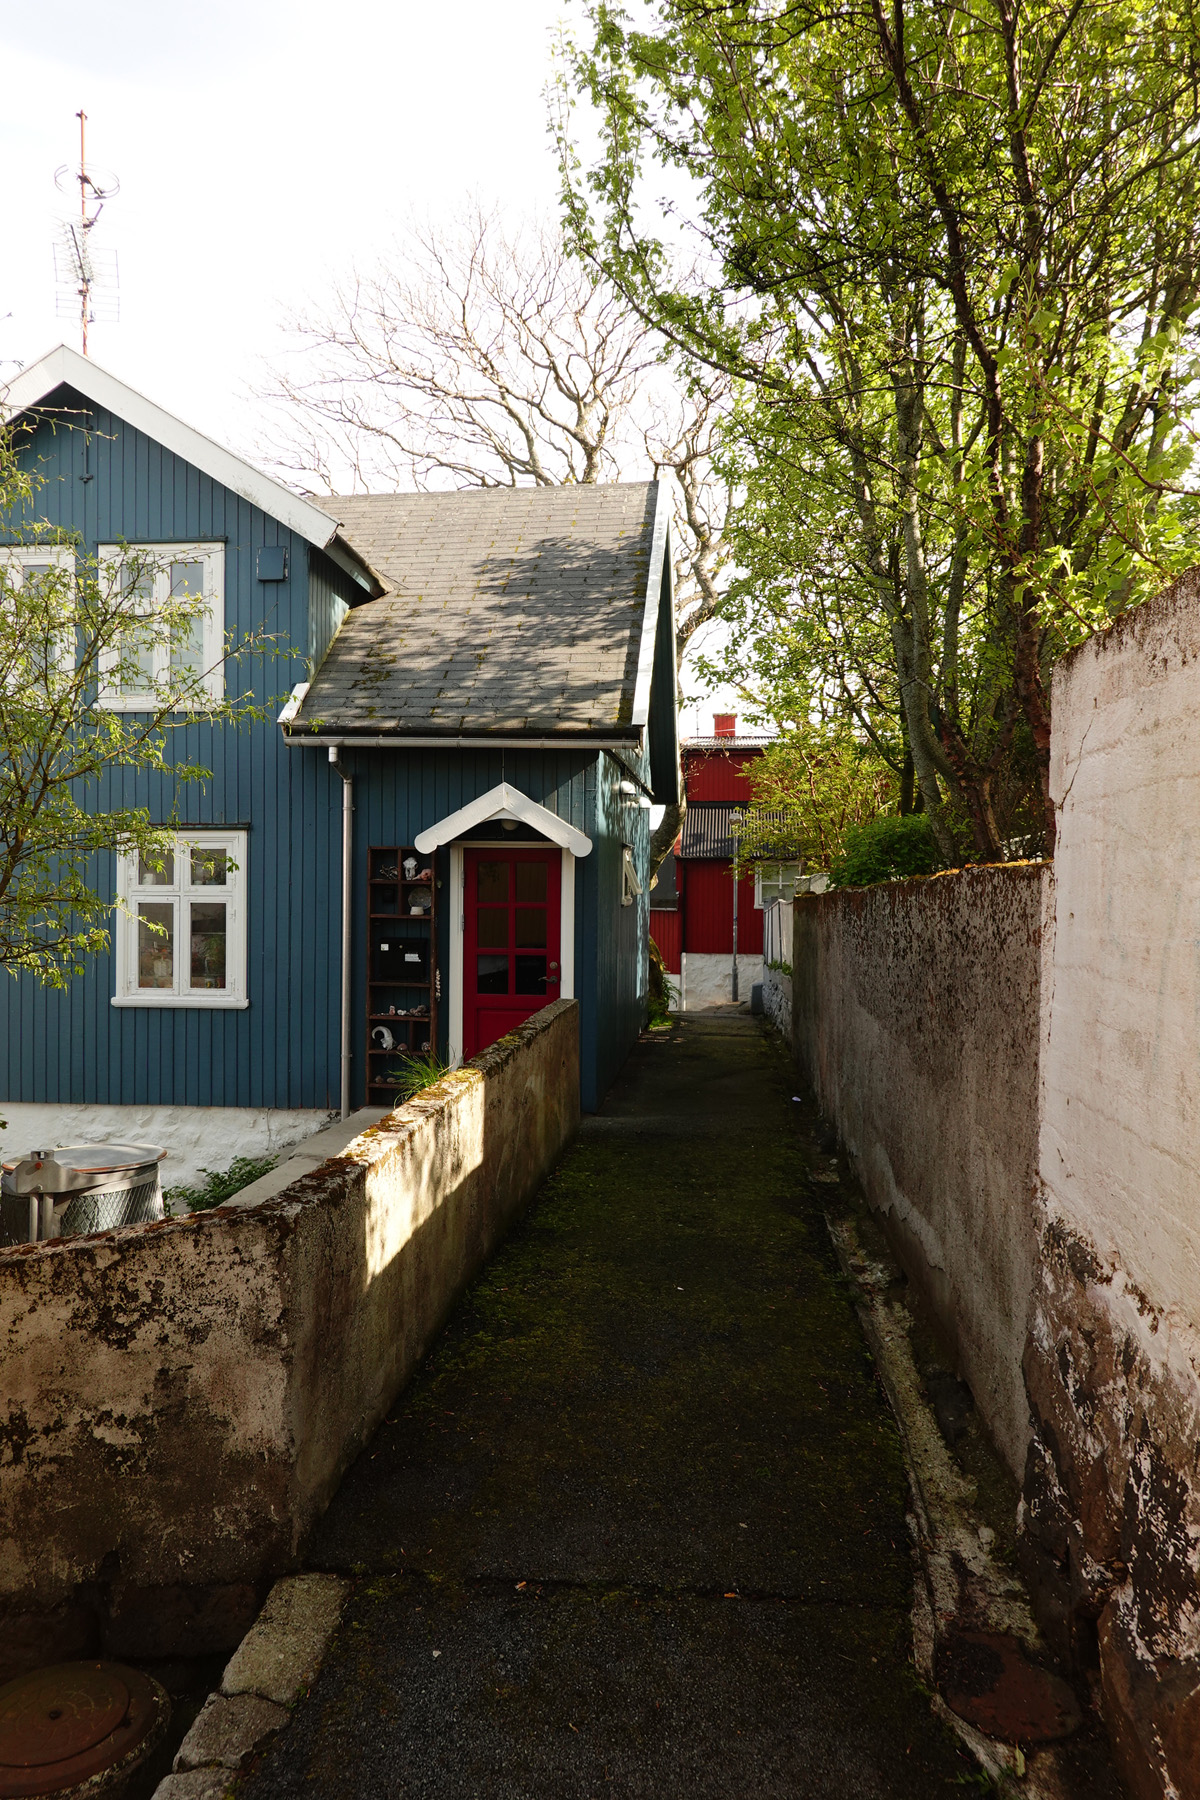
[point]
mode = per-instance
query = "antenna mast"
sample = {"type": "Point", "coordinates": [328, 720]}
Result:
{"type": "Point", "coordinates": [81, 269]}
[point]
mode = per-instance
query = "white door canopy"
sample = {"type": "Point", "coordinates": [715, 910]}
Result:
{"type": "Point", "coordinates": [503, 802]}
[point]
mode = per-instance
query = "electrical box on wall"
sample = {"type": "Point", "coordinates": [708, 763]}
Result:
{"type": "Point", "coordinates": [272, 563]}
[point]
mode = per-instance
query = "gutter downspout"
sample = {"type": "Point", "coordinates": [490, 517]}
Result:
{"type": "Point", "coordinates": [347, 874]}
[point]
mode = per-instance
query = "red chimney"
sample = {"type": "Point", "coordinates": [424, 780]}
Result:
{"type": "Point", "coordinates": [724, 724]}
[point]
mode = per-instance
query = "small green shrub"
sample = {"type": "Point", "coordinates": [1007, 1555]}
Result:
{"type": "Point", "coordinates": [418, 1072]}
{"type": "Point", "coordinates": [219, 1185]}
{"type": "Point", "coordinates": [886, 849]}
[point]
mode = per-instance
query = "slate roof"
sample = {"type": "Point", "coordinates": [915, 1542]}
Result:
{"type": "Point", "coordinates": [511, 610]}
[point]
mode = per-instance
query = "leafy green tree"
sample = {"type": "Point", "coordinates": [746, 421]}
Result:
{"type": "Point", "coordinates": [71, 634]}
{"type": "Point", "coordinates": [952, 258]}
{"type": "Point", "coordinates": [811, 788]}
{"type": "Point", "coordinates": [885, 850]}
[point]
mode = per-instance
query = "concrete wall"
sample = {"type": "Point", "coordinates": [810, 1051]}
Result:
{"type": "Point", "coordinates": [1112, 1502]}
{"type": "Point", "coordinates": [778, 934]}
{"type": "Point", "coordinates": [706, 979]}
{"type": "Point", "coordinates": [181, 1399]}
{"type": "Point", "coordinates": [916, 1020]}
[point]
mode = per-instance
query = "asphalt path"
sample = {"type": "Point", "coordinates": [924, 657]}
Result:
{"type": "Point", "coordinates": [637, 1528]}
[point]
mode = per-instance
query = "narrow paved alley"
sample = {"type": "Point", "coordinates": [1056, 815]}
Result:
{"type": "Point", "coordinates": [637, 1528]}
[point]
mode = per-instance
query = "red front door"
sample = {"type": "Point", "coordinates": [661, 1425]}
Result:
{"type": "Point", "coordinates": [511, 940]}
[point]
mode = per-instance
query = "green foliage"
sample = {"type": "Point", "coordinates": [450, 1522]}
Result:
{"type": "Point", "coordinates": [70, 629]}
{"type": "Point", "coordinates": [951, 260]}
{"type": "Point", "coordinates": [662, 990]}
{"type": "Point", "coordinates": [887, 849]}
{"type": "Point", "coordinates": [418, 1072]}
{"type": "Point", "coordinates": [824, 780]}
{"type": "Point", "coordinates": [222, 1185]}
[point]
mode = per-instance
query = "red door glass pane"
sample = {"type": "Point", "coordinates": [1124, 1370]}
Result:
{"type": "Point", "coordinates": [512, 904]}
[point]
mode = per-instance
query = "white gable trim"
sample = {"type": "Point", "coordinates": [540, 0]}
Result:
{"type": "Point", "coordinates": [663, 499]}
{"type": "Point", "coordinates": [65, 365]}
{"type": "Point", "coordinates": [503, 802]}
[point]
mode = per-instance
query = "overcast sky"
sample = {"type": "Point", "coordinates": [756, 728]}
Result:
{"type": "Point", "coordinates": [261, 147]}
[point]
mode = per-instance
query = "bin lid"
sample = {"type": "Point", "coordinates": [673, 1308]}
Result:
{"type": "Point", "coordinates": [76, 1168]}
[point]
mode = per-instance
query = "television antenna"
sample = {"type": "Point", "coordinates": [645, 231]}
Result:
{"type": "Point", "coordinates": [81, 268]}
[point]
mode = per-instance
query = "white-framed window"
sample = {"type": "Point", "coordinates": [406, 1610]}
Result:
{"type": "Point", "coordinates": [21, 562]}
{"type": "Point", "coordinates": [775, 881]}
{"type": "Point", "coordinates": [189, 657]}
{"type": "Point", "coordinates": [181, 930]}
{"type": "Point", "coordinates": [631, 887]}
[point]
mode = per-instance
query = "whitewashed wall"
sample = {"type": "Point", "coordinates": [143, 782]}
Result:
{"type": "Point", "coordinates": [194, 1137]}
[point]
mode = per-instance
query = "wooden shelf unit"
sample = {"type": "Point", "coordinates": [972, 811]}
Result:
{"type": "Point", "coordinates": [402, 980]}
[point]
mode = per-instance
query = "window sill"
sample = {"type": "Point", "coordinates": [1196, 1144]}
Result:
{"type": "Point", "coordinates": [189, 1002]}
{"type": "Point", "coordinates": [133, 703]}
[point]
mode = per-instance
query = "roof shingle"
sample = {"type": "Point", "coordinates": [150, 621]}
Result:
{"type": "Point", "coordinates": [511, 610]}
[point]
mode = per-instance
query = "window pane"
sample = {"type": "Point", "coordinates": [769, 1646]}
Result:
{"type": "Point", "coordinates": [493, 881]}
{"type": "Point", "coordinates": [492, 975]}
{"type": "Point", "coordinates": [531, 880]}
{"type": "Point", "coordinates": [135, 647]}
{"type": "Point", "coordinates": [187, 580]}
{"type": "Point", "coordinates": [156, 945]}
{"type": "Point", "coordinates": [187, 649]}
{"type": "Point", "coordinates": [208, 944]}
{"type": "Point", "coordinates": [158, 871]}
{"type": "Point", "coordinates": [531, 927]}
{"type": "Point", "coordinates": [210, 868]}
{"type": "Point", "coordinates": [531, 975]}
{"type": "Point", "coordinates": [492, 927]}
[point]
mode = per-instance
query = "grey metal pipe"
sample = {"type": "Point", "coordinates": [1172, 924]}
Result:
{"type": "Point", "coordinates": [347, 896]}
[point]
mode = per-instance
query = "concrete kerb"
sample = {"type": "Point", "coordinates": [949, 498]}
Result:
{"type": "Point", "coordinates": [272, 1668]}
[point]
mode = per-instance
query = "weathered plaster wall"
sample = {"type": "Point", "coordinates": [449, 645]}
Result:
{"type": "Point", "coordinates": [916, 1018]}
{"type": "Point", "coordinates": [1112, 1514]}
{"type": "Point", "coordinates": [181, 1399]}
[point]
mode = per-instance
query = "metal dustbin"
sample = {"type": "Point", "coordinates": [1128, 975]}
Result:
{"type": "Point", "coordinates": [78, 1188]}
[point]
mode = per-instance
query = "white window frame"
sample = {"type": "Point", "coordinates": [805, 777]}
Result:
{"type": "Point", "coordinates": [22, 556]}
{"type": "Point", "coordinates": [631, 887]}
{"type": "Point", "coordinates": [178, 894]}
{"type": "Point", "coordinates": [19, 557]}
{"type": "Point", "coordinates": [160, 557]}
{"type": "Point", "coordinates": [775, 867]}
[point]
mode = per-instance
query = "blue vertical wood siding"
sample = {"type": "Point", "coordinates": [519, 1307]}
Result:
{"type": "Point", "coordinates": [283, 1049]}
{"type": "Point", "coordinates": [109, 482]}
{"type": "Point", "coordinates": [331, 594]}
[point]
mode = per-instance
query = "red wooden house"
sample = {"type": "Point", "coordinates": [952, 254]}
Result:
{"type": "Point", "coordinates": [692, 901]}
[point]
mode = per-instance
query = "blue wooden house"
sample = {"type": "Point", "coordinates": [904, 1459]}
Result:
{"type": "Point", "coordinates": [442, 824]}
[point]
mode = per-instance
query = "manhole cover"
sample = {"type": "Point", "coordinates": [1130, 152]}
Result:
{"type": "Point", "coordinates": [68, 1724]}
{"type": "Point", "coordinates": [987, 1679]}
{"type": "Point", "coordinates": [57, 1713]}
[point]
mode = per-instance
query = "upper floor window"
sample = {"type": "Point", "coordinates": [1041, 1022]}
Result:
{"type": "Point", "coordinates": [42, 639]}
{"type": "Point", "coordinates": [775, 881]}
{"type": "Point", "coordinates": [181, 933]}
{"type": "Point", "coordinates": [175, 598]}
